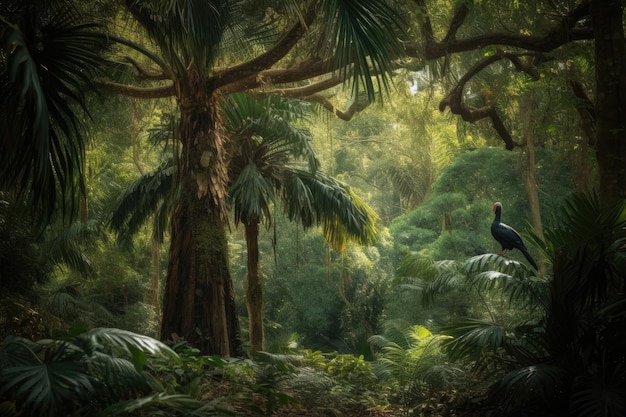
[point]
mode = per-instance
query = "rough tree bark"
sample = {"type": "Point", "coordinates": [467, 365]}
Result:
{"type": "Point", "coordinates": [199, 299]}
{"type": "Point", "coordinates": [254, 290]}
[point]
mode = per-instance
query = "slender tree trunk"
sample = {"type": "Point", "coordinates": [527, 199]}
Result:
{"type": "Point", "coordinates": [199, 299]}
{"type": "Point", "coordinates": [254, 291]}
{"type": "Point", "coordinates": [527, 104]}
{"type": "Point", "coordinates": [610, 98]}
{"type": "Point", "coordinates": [155, 281]}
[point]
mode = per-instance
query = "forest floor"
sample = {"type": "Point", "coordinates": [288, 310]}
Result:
{"type": "Point", "coordinates": [448, 404]}
{"type": "Point", "coordinates": [17, 317]}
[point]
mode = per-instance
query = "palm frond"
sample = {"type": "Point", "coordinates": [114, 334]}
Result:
{"type": "Point", "coordinates": [410, 355]}
{"type": "Point", "coordinates": [149, 195]}
{"type": "Point", "coordinates": [411, 188]}
{"type": "Point", "coordinates": [252, 195]}
{"type": "Point", "coordinates": [450, 277]}
{"type": "Point", "coordinates": [99, 366]}
{"type": "Point", "coordinates": [492, 261]}
{"type": "Point", "coordinates": [275, 122]}
{"type": "Point", "coordinates": [110, 340]}
{"type": "Point", "coordinates": [44, 375]}
{"type": "Point", "coordinates": [49, 66]}
{"type": "Point", "coordinates": [65, 247]}
{"type": "Point", "coordinates": [473, 337]}
{"type": "Point", "coordinates": [365, 36]}
{"type": "Point", "coordinates": [530, 387]}
{"type": "Point", "coordinates": [185, 30]}
{"type": "Point", "coordinates": [321, 200]}
{"type": "Point", "coordinates": [414, 264]}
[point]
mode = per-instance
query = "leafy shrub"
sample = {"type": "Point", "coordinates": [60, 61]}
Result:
{"type": "Point", "coordinates": [79, 373]}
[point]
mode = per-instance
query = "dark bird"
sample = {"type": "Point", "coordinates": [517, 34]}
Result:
{"type": "Point", "coordinates": [508, 237]}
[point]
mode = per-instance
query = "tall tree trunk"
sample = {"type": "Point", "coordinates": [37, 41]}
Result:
{"type": "Point", "coordinates": [527, 105]}
{"type": "Point", "coordinates": [155, 275]}
{"type": "Point", "coordinates": [254, 291]}
{"type": "Point", "coordinates": [610, 98]}
{"type": "Point", "coordinates": [199, 299]}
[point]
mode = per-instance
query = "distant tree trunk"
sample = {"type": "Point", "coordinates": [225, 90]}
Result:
{"type": "Point", "coordinates": [610, 103]}
{"type": "Point", "coordinates": [254, 291]}
{"type": "Point", "coordinates": [155, 281]}
{"type": "Point", "coordinates": [527, 104]}
{"type": "Point", "coordinates": [199, 299]}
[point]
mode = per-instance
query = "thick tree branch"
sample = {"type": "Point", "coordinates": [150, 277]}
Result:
{"type": "Point", "coordinates": [301, 72]}
{"type": "Point", "coordinates": [563, 31]}
{"type": "Point", "coordinates": [471, 114]}
{"type": "Point", "coordinates": [307, 90]}
{"type": "Point", "coordinates": [346, 115]}
{"type": "Point", "coordinates": [139, 92]}
{"type": "Point", "coordinates": [144, 74]}
{"type": "Point", "coordinates": [284, 44]}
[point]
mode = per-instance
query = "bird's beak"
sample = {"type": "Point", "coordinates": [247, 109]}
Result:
{"type": "Point", "coordinates": [493, 208]}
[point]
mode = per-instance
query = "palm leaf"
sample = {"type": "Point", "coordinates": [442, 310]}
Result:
{"type": "Point", "coordinates": [415, 265]}
{"type": "Point", "coordinates": [491, 261]}
{"type": "Point", "coordinates": [110, 339]}
{"type": "Point", "coordinates": [320, 200]}
{"type": "Point", "coordinates": [473, 337]}
{"type": "Point", "coordinates": [274, 121]}
{"type": "Point", "coordinates": [49, 67]}
{"type": "Point", "coordinates": [365, 37]}
{"type": "Point", "coordinates": [56, 377]}
{"type": "Point", "coordinates": [529, 387]}
{"type": "Point", "coordinates": [65, 247]}
{"type": "Point", "coordinates": [150, 195]}
{"type": "Point", "coordinates": [185, 30]}
{"type": "Point", "coordinates": [45, 375]}
{"type": "Point", "coordinates": [251, 194]}
{"type": "Point", "coordinates": [410, 355]}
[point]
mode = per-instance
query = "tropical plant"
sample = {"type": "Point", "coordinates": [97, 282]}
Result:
{"type": "Point", "coordinates": [49, 59]}
{"type": "Point", "coordinates": [79, 373]}
{"type": "Point", "coordinates": [412, 357]}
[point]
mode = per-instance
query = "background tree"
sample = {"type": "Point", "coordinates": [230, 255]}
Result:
{"type": "Point", "coordinates": [528, 47]}
{"type": "Point", "coordinates": [265, 149]}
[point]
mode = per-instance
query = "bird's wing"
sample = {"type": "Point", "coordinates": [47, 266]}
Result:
{"type": "Point", "coordinates": [506, 236]}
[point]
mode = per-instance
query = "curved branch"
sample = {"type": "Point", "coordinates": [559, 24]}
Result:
{"type": "Point", "coordinates": [346, 115]}
{"type": "Point", "coordinates": [264, 61]}
{"type": "Point", "coordinates": [150, 55]}
{"type": "Point", "coordinates": [307, 90]}
{"type": "Point", "coordinates": [563, 31]}
{"type": "Point", "coordinates": [471, 114]}
{"type": "Point", "coordinates": [301, 72]}
{"type": "Point", "coordinates": [139, 92]}
{"type": "Point", "coordinates": [144, 74]}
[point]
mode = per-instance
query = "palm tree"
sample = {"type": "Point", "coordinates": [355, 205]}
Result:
{"type": "Point", "coordinates": [264, 146]}
{"type": "Point", "coordinates": [337, 41]}
{"type": "Point", "coordinates": [265, 149]}
{"type": "Point", "coordinates": [352, 40]}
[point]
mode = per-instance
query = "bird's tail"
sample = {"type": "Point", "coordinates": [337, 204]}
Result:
{"type": "Point", "coordinates": [529, 258]}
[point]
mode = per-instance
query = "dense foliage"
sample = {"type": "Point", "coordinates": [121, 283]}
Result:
{"type": "Point", "coordinates": [339, 265]}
